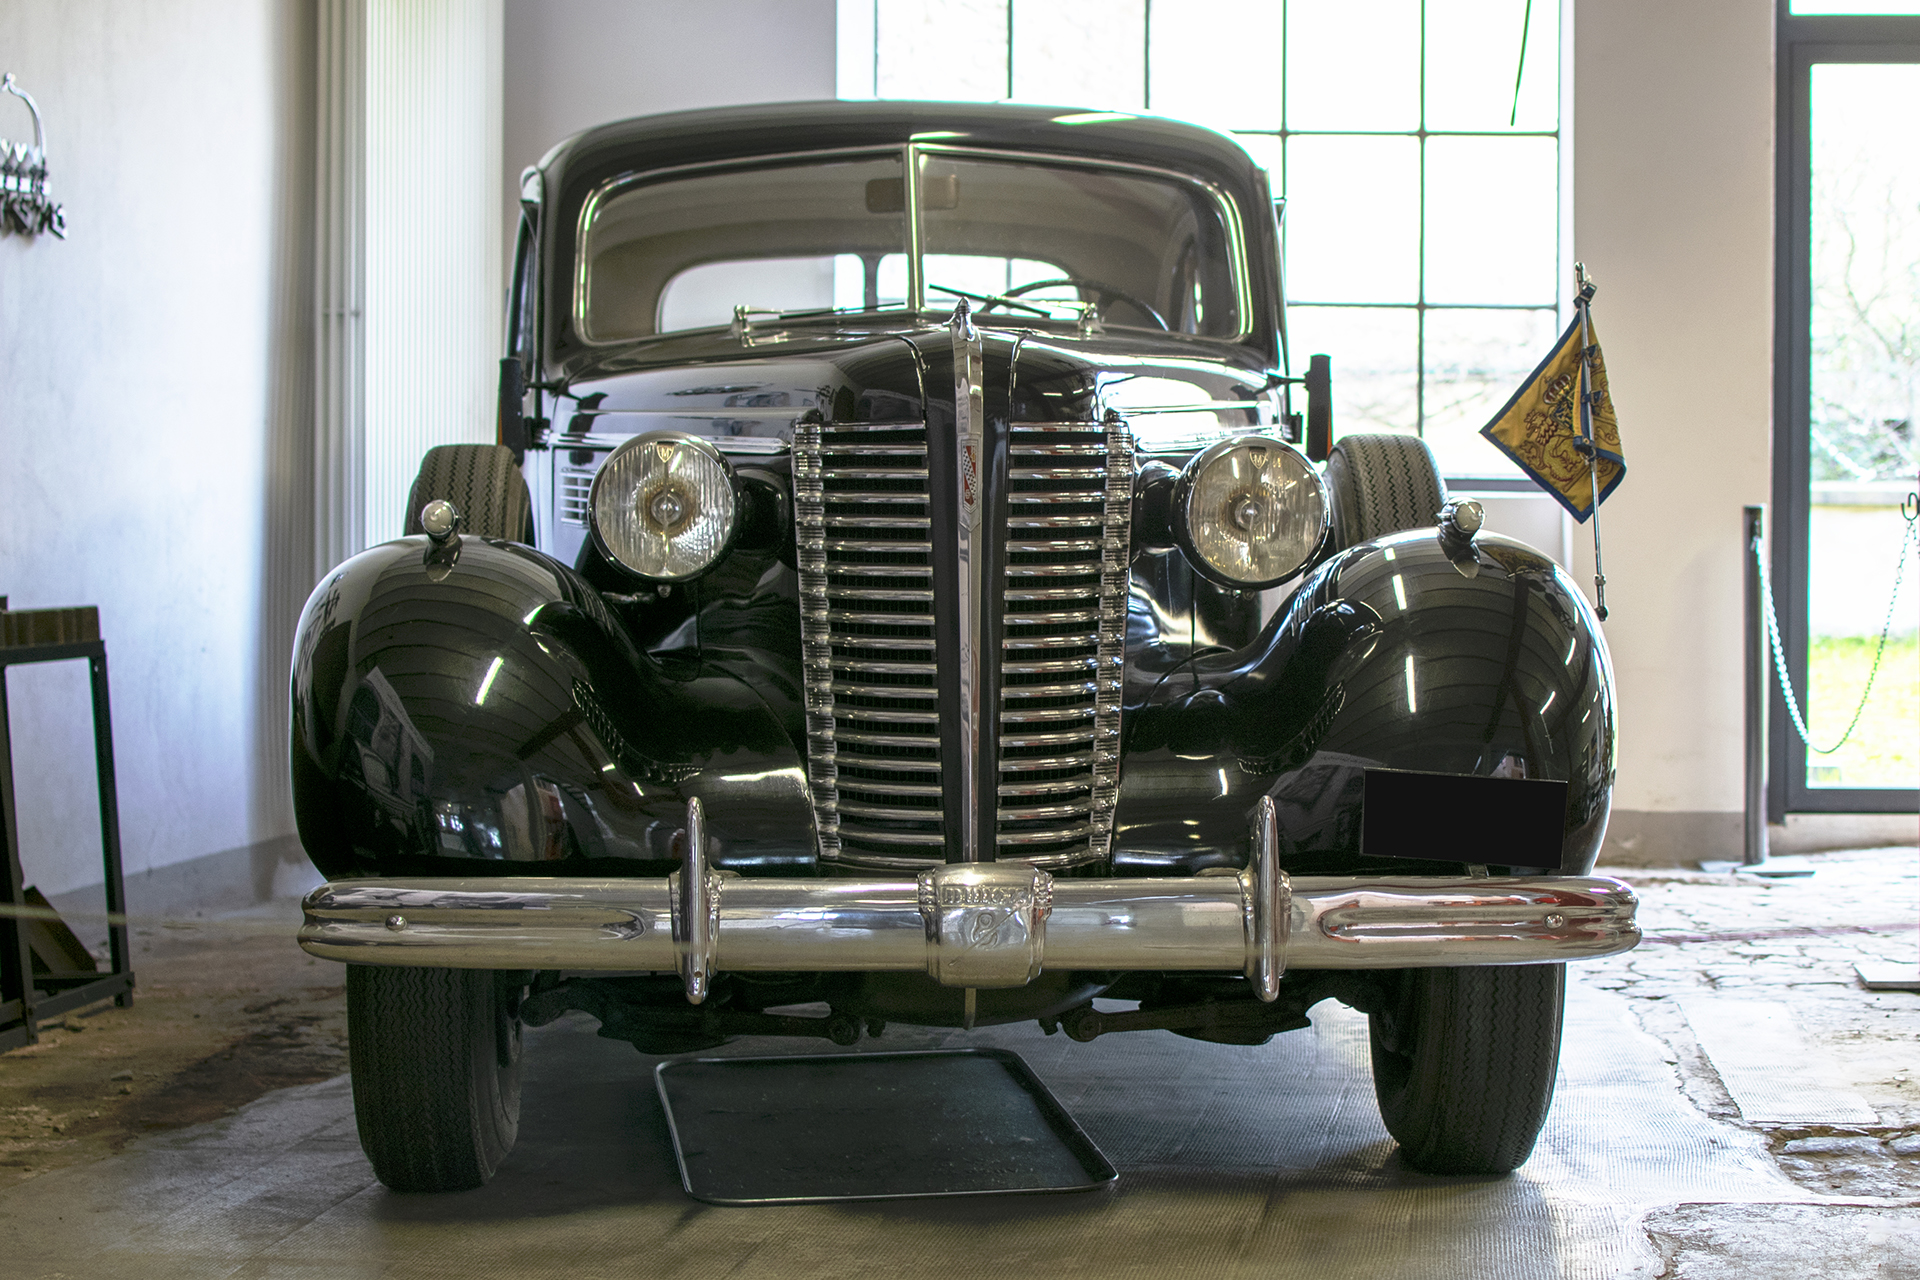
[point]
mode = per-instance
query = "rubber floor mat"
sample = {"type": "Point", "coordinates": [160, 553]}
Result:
{"type": "Point", "coordinates": [871, 1126]}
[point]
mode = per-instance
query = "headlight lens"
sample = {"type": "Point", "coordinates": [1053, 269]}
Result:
{"type": "Point", "coordinates": [1252, 511]}
{"type": "Point", "coordinates": [663, 505]}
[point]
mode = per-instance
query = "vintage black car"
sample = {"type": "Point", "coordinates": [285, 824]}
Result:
{"type": "Point", "coordinates": [910, 583]}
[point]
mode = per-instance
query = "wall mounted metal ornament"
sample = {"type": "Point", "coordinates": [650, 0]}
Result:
{"type": "Point", "coordinates": [25, 207]}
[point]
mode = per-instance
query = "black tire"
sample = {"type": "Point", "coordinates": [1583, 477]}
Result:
{"type": "Point", "coordinates": [435, 1057]}
{"type": "Point", "coordinates": [484, 486]}
{"type": "Point", "coordinates": [1381, 484]}
{"type": "Point", "coordinates": [1464, 1062]}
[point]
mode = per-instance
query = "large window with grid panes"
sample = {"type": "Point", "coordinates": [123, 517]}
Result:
{"type": "Point", "coordinates": [1417, 143]}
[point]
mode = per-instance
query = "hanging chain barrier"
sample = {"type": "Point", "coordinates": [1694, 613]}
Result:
{"type": "Point", "coordinates": [1910, 509]}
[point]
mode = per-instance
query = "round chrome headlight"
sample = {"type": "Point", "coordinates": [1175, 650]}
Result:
{"type": "Point", "coordinates": [1250, 512]}
{"type": "Point", "coordinates": [663, 506]}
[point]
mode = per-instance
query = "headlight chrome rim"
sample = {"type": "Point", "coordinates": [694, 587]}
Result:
{"type": "Point", "coordinates": [1311, 536]}
{"type": "Point", "coordinates": [659, 521]}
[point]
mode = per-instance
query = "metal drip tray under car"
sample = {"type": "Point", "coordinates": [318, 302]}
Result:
{"type": "Point", "coordinates": [871, 1126]}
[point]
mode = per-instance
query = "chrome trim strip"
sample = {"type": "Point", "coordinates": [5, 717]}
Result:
{"type": "Point", "coordinates": [1071, 760]}
{"type": "Point", "coordinates": [889, 717]}
{"type": "Point", "coordinates": [1049, 787]}
{"type": "Point", "coordinates": [876, 544]}
{"type": "Point", "coordinates": [898, 811]}
{"type": "Point", "coordinates": [900, 643]}
{"type": "Point", "coordinates": [970, 463]}
{"type": "Point", "coordinates": [1065, 544]}
{"type": "Point", "coordinates": [871, 450]}
{"type": "Point", "coordinates": [882, 571]}
{"type": "Point", "coordinates": [1115, 578]}
{"type": "Point", "coordinates": [1054, 593]}
{"type": "Point", "coordinates": [890, 788]}
{"type": "Point", "coordinates": [1054, 522]}
{"type": "Point", "coordinates": [876, 522]}
{"type": "Point", "coordinates": [916, 235]}
{"type": "Point", "coordinates": [1055, 473]}
{"type": "Point", "coordinates": [820, 925]}
{"type": "Point", "coordinates": [878, 619]}
{"type": "Point", "coordinates": [927, 839]}
{"type": "Point", "coordinates": [816, 637]}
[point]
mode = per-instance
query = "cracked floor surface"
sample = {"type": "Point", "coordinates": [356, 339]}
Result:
{"type": "Point", "coordinates": [1236, 1161]}
{"type": "Point", "coordinates": [1794, 941]}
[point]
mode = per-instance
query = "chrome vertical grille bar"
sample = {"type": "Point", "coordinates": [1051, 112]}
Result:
{"type": "Point", "coordinates": [971, 462]}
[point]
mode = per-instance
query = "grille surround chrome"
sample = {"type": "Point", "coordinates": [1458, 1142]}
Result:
{"type": "Point", "coordinates": [875, 768]}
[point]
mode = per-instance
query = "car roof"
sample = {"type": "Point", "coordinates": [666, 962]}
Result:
{"type": "Point", "coordinates": [684, 137]}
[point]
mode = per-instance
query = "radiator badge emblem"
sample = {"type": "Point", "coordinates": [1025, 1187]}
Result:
{"type": "Point", "coordinates": [969, 474]}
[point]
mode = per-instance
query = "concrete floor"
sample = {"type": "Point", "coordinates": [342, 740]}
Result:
{"type": "Point", "coordinates": [1234, 1161]}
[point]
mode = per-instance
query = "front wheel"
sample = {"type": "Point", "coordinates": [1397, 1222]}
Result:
{"type": "Point", "coordinates": [1464, 1063]}
{"type": "Point", "coordinates": [435, 1057]}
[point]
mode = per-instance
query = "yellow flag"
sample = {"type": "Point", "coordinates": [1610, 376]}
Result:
{"type": "Point", "coordinates": [1552, 420]}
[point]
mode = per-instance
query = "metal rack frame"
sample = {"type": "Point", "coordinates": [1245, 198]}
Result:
{"type": "Point", "coordinates": [28, 998]}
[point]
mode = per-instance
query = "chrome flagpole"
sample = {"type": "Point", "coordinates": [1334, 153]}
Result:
{"type": "Point", "coordinates": [1583, 298]}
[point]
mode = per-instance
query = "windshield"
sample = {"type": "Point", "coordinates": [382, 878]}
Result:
{"type": "Point", "coordinates": [1027, 241]}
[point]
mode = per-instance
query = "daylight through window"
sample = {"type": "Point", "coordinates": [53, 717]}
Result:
{"type": "Point", "coordinates": [1417, 143]}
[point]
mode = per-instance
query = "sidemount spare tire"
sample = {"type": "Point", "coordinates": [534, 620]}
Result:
{"type": "Point", "coordinates": [484, 485]}
{"type": "Point", "coordinates": [1464, 1063]}
{"type": "Point", "coordinates": [1380, 484]}
{"type": "Point", "coordinates": [435, 1060]}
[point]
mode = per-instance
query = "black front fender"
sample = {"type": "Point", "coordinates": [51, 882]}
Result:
{"type": "Point", "coordinates": [454, 708]}
{"type": "Point", "coordinates": [1396, 654]}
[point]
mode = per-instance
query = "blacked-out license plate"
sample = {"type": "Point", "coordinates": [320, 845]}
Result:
{"type": "Point", "coordinates": [1444, 817]}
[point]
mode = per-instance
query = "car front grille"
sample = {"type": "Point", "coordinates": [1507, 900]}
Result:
{"type": "Point", "coordinates": [865, 529]}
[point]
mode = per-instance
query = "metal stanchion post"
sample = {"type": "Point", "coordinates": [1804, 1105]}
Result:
{"type": "Point", "coordinates": [1754, 851]}
{"type": "Point", "coordinates": [1754, 859]}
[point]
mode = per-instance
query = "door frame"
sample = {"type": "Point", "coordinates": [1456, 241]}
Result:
{"type": "Point", "coordinates": [1801, 42]}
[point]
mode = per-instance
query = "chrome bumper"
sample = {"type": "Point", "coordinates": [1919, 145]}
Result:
{"type": "Point", "coordinates": [972, 924]}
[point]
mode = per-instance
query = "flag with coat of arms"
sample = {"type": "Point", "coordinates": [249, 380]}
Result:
{"type": "Point", "coordinates": [1559, 427]}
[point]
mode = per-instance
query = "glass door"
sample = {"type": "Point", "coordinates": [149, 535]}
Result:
{"type": "Point", "coordinates": [1848, 398]}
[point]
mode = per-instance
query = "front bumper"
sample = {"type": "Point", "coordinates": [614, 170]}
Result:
{"type": "Point", "coordinates": [981, 925]}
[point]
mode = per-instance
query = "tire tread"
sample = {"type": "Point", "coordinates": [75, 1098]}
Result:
{"type": "Point", "coordinates": [436, 1108]}
{"type": "Point", "coordinates": [1474, 1091]}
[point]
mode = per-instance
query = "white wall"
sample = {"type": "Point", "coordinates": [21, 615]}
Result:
{"type": "Point", "coordinates": [153, 410]}
{"type": "Point", "coordinates": [1673, 215]}
{"type": "Point", "coordinates": [573, 64]}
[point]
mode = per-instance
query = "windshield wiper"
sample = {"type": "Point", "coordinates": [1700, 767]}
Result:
{"type": "Point", "coordinates": [999, 300]}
